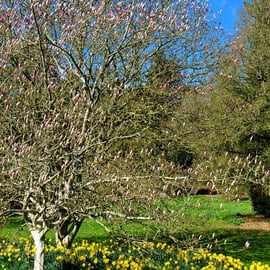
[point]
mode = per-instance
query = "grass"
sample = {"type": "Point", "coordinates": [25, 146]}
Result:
{"type": "Point", "coordinates": [211, 214]}
{"type": "Point", "coordinates": [90, 230]}
{"type": "Point", "coordinates": [211, 207]}
{"type": "Point", "coordinates": [223, 218]}
{"type": "Point", "coordinates": [259, 241]}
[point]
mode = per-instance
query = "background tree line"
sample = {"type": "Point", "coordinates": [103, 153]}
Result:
{"type": "Point", "coordinates": [229, 116]}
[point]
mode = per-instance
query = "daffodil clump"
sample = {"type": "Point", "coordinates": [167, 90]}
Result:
{"type": "Point", "coordinates": [113, 255]}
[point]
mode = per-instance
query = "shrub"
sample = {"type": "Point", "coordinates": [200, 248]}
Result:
{"type": "Point", "coordinates": [260, 199]}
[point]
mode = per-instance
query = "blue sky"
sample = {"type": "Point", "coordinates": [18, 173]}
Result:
{"type": "Point", "coordinates": [229, 15]}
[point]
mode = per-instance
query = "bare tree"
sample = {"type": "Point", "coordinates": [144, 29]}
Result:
{"type": "Point", "coordinates": [70, 75]}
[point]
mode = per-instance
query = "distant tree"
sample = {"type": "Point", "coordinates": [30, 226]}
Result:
{"type": "Point", "coordinates": [256, 37]}
{"type": "Point", "coordinates": [241, 98]}
{"type": "Point", "coordinates": [246, 77]}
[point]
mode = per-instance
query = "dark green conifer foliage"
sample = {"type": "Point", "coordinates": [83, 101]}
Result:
{"type": "Point", "coordinates": [245, 81]}
{"type": "Point", "coordinates": [255, 35]}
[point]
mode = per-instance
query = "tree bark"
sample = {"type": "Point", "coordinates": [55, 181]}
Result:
{"type": "Point", "coordinates": [65, 234]}
{"type": "Point", "coordinates": [39, 240]}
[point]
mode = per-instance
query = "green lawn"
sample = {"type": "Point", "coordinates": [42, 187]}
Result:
{"type": "Point", "coordinates": [225, 222]}
{"type": "Point", "coordinates": [211, 215]}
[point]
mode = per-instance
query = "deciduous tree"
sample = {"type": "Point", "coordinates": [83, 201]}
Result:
{"type": "Point", "coordinates": [70, 75]}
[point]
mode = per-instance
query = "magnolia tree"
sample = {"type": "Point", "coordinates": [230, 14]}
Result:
{"type": "Point", "coordinates": [71, 76]}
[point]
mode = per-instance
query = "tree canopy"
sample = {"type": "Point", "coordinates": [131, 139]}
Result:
{"type": "Point", "coordinates": [74, 86]}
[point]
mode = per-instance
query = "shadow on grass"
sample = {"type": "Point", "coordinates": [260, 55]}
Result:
{"type": "Point", "coordinates": [259, 245]}
{"type": "Point", "coordinates": [231, 242]}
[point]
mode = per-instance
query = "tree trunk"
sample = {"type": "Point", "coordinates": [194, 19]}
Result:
{"type": "Point", "coordinates": [39, 240]}
{"type": "Point", "coordinates": [66, 232]}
